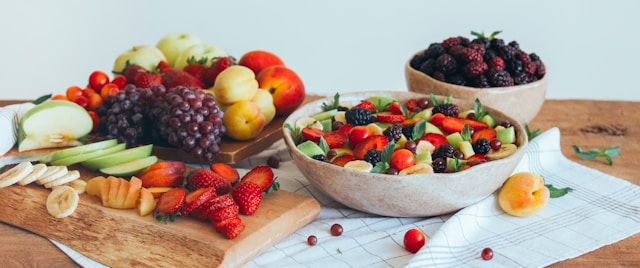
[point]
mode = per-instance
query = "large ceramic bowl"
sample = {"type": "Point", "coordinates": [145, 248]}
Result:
{"type": "Point", "coordinates": [416, 195]}
{"type": "Point", "coordinates": [522, 102]}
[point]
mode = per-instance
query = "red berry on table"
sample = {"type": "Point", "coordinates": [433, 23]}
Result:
{"type": "Point", "coordinates": [414, 239]}
{"type": "Point", "coordinates": [247, 196]}
{"type": "Point", "coordinates": [230, 228]}
{"type": "Point", "coordinates": [98, 79]}
{"type": "Point", "coordinates": [147, 79]}
{"type": "Point", "coordinates": [402, 158]}
{"type": "Point", "coordinates": [198, 198]}
{"type": "Point", "coordinates": [312, 240]}
{"type": "Point", "coordinates": [336, 229]}
{"type": "Point", "coordinates": [486, 254]}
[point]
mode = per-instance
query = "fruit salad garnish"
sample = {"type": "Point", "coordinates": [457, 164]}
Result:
{"type": "Point", "coordinates": [420, 135]}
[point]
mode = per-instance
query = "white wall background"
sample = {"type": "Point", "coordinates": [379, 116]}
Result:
{"type": "Point", "coordinates": [590, 47]}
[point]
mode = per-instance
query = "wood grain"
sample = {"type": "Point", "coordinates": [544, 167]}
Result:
{"type": "Point", "coordinates": [572, 117]}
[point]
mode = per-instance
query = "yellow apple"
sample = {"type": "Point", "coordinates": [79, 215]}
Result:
{"type": "Point", "coordinates": [523, 194]}
{"type": "Point", "coordinates": [243, 120]}
{"type": "Point", "coordinates": [198, 51]}
{"type": "Point", "coordinates": [234, 84]}
{"type": "Point", "coordinates": [173, 44]}
{"type": "Point", "coordinates": [265, 101]}
{"type": "Point", "coordinates": [144, 55]}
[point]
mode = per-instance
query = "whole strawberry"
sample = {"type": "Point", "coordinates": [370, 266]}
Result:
{"type": "Point", "coordinates": [202, 177]}
{"type": "Point", "coordinates": [197, 67]}
{"type": "Point", "coordinates": [147, 79]}
{"type": "Point", "coordinates": [247, 196]}
{"type": "Point", "coordinates": [131, 71]}
{"type": "Point", "coordinates": [218, 65]}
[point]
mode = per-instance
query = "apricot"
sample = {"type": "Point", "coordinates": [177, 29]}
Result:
{"type": "Point", "coordinates": [523, 194]}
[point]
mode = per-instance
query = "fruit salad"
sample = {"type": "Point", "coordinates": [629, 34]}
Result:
{"type": "Point", "coordinates": [420, 135]}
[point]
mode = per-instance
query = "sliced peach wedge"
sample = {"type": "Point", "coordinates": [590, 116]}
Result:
{"type": "Point", "coordinates": [146, 202]}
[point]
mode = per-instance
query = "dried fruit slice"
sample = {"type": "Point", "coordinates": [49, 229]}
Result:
{"type": "Point", "coordinates": [62, 202]}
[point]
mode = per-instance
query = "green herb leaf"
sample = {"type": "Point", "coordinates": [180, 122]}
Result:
{"type": "Point", "coordinates": [478, 112]}
{"type": "Point", "coordinates": [324, 145]}
{"type": "Point", "coordinates": [531, 134]}
{"type": "Point", "coordinates": [380, 167]}
{"type": "Point", "coordinates": [418, 129]}
{"type": "Point", "coordinates": [297, 132]}
{"type": "Point", "coordinates": [334, 105]}
{"type": "Point", "coordinates": [433, 99]}
{"type": "Point", "coordinates": [339, 251]}
{"type": "Point", "coordinates": [42, 99]}
{"type": "Point", "coordinates": [457, 164]}
{"type": "Point", "coordinates": [387, 151]}
{"type": "Point", "coordinates": [404, 110]}
{"type": "Point", "coordinates": [607, 153]}
{"type": "Point", "coordinates": [466, 133]}
{"type": "Point", "coordinates": [557, 192]}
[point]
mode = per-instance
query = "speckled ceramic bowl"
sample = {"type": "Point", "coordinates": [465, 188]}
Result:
{"type": "Point", "coordinates": [416, 195]}
{"type": "Point", "coordinates": [522, 102]}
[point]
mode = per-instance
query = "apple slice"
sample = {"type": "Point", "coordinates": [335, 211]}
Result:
{"type": "Point", "coordinates": [133, 194]}
{"type": "Point", "coordinates": [130, 168]}
{"type": "Point", "coordinates": [90, 155]}
{"type": "Point", "coordinates": [118, 157]}
{"type": "Point", "coordinates": [146, 203]}
{"type": "Point", "coordinates": [53, 124]}
{"type": "Point", "coordinates": [82, 149]}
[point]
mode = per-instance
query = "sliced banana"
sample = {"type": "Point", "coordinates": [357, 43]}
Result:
{"type": "Point", "coordinates": [424, 147]}
{"type": "Point", "coordinates": [340, 117]}
{"type": "Point", "coordinates": [308, 122]}
{"type": "Point", "coordinates": [53, 172]}
{"type": "Point", "coordinates": [62, 202]}
{"type": "Point", "coordinates": [374, 129]}
{"type": "Point", "coordinates": [15, 174]}
{"type": "Point", "coordinates": [79, 185]}
{"type": "Point", "coordinates": [359, 165]}
{"type": "Point", "coordinates": [505, 151]}
{"type": "Point", "coordinates": [420, 168]}
{"type": "Point", "coordinates": [38, 170]}
{"type": "Point", "coordinates": [68, 177]}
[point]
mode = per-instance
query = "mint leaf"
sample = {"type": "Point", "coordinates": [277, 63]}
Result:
{"type": "Point", "coordinates": [42, 99]}
{"type": "Point", "coordinates": [419, 129]}
{"type": "Point", "coordinates": [531, 134]}
{"type": "Point", "coordinates": [297, 132]}
{"type": "Point", "coordinates": [334, 105]}
{"type": "Point", "coordinates": [323, 145]}
{"type": "Point", "coordinates": [478, 112]}
{"type": "Point", "coordinates": [607, 153]}
{"type": "Point", "coordinates": [466, 133]}
{"type": "Point", "coordinates": [557, 192]}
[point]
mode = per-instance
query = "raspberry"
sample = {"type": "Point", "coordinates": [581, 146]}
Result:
{"type": "Point", "coordinates": [446, 64]}
{"type": "Point", "coordinates": [448, 109]}
{"type": "Point", "coordinates": [373, 156]}
{"type": "Point", "coordinates": [393, 132]}
{"type": "Point", "coordinates": [496, 63]}
{"type": "Point", "coordinates": [469, 55]}
{"type": "Point", "coordinates": [475, 68]}
{"type": "Point", "coordinates": [523, 56]}
{"type": "Point", "coordinates": [499, 78]}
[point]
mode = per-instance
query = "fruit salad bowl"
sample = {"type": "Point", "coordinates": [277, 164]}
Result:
{"type": "Point", "coordinates": [413, 195]}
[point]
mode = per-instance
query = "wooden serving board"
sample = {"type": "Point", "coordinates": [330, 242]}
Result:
{"type": "Point", "coordinates": [118, 237]}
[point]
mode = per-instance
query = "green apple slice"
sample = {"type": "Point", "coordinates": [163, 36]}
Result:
{"type": "Point", "coordinates": [118, 157]}
{"type": "Point", "coordinates": [82, 149]}
{"type": "Point", "coordinates": [53, 124]}
{"type": "Point", "coordinates": [325, 115]}
{"type": "Point", "coordinates": [454, 139]}
{"type": "Point", "coordinates": [130, 167]}
{"type": "Point", "coordinates": [506, 135]}
{"type": "Point", "coordinates": [431, 128]}
{"type": "Point", "coordinates": [67, 161]}
{"type": "Point", "coordinates": [310, 148]}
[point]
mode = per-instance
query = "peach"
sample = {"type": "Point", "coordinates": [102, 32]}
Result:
{"type": "Point", "coordinates": [523, 194]}
{"type": "Point", "coordinates": [158, 191]}
{"type": "Point", "coordinates": [146, 202]}
{"type": "Point", "coordinates": [285, 86]}
{"type": "Point", "coordinates": [135, 184]}
{"type": "Point", "coordinates": [257, 60]}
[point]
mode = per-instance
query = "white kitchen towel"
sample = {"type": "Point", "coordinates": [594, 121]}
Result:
{"type": "Point", "coordinates": [601, 210]}
{"type": "Point", "coordinates": [10, 116]}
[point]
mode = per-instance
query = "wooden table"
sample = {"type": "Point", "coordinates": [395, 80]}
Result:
{"type": "Point", "coordinates": [586, 123]}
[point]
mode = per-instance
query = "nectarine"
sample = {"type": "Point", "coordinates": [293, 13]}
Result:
{"type": "Point", "coordinates": [523, 194]}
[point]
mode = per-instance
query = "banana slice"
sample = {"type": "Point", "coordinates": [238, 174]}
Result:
{"type": "Point", "coordinates": [308, 122]}
{"type": "Point", "coordinates": [359, 165]}
{"type": "Point", "coordinates": [420, 168]}
{"type": "Point", "coordinates": [38, 170]}
{"type": "Point", "coordinates": [53, 172]}
{"type": "Point", "coordinates": [504, 151]}
{"type": "Point", "coordinates": [424, 147]}
{"type": "Point", "coordinates": [15, 174]}
{"type": "Point", "coordinates": [339, 116]}
{"type": "Point", "coordinates": [375, 129]}
{"type": "Point", "coordinates": [62, 202]}
{"type": "Point", "coordinates": [79, 185]}
{"type": "Point", "coordinates": [68, 177]}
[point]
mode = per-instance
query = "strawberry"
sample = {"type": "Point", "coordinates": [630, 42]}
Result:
{"type": "Point", "coordinates": [212, 205]}
{"type": "Point", "coordinates": [169, 205]}
{"type": "Point", "coordinates": [312, 134]}
{"type": "Point", "coordinates": [411, 105]}
{"type": "Point", "coordinates": [262, 176]}
{"type": "Point", "coordinates": [335, 139]}
{"type": "Point", "coordinates": [202, 177]}
{"type": "Point", "coordinates": [230, 228]}
{"type": "Point", "coordinates": [377, 142]}
{"type": "Point", "coordinates": [436, 119]}
{"type": "Point", "coordinates": [131, 71]}
{"type": "Point", "coordinates": [487, 133]}
{"type": "Point", "coordinates": [198, 198]}
{"type": "Point", "coordinates": [435, 139]}
{"type": "Point", "coordinates": [172, 77]}
{"type": "Point", "coordinates": [454, 124]}
{"type": "Point", "coordinates": [346, 128]}
{"type": "Point", "coordinates": [342, 159]}
{"type": "Point", "coordinates": [226, 172]}
{"type": "Point", "coordinates": [366, 104]}
{"type": "Point", "coordinates": [224, 213]}
{"type": "Point", "coordinates": [196, 67]}
{"type": "Point", "coordinates": [162, 65]}
{"type": "Point", "coordinates": [147, 79]}
{"type": "Point", "coordinates": [394, 108]}
{"type": "Point", "coordinates": [247, 196]}
{"type": "Point", "coordinates": [388, 117]}
{"type": "Point", "coordinates": [218, 65]}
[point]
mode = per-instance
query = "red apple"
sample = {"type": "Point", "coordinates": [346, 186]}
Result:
{"type": "Point", "coordinates": [258, 60]}
{"type": "Point", "coordinates": [285, 86]}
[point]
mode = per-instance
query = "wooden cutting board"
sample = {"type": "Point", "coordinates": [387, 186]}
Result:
{"type": "Point", "coordinates": [118, 238]}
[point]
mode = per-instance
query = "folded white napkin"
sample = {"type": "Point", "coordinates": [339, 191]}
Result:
{"type": "Point", "coordinates": [9, 119]}
{"type": "Point", "coordinates": [601, 210]}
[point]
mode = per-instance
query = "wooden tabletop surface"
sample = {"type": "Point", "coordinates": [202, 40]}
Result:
{"type": "Point", "coordinates": [586, 123]}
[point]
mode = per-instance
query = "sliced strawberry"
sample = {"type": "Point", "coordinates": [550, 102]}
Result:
{"type": "Point", "coordinates": [335, 139]}
{"type": "Point", "coordinates": [212, 205]}
{"type": "Point", "coordinates": [261, 175]}
{"type": "Point", "coordinates": [198, 198]}
{"type": "Point", "coordinates": [395, 108]}
{"type": "Point", "coordinates": [436, 119]}
{"type": "Point", "coordinates": [247, 196]}
{"type": "Point", "coordinates": [226, 172]}
{"type": "Point", "coordinates": [388, 117]}
{"type": "Point", "coordinates": [342, 159]}
{"type": "Point", "coordinates": [411, 121]}
{"type": "Point", "coordinates": [435, 139]}
{"type": "Point", "coordinates": [478, 157]}
{"type": "Point", "coordinates": [203, 177]}
{"type": "Point", "coordinates": [346, 128]}
{"type": "Point", "coordinates": [487, 133]}
{"type": "Point", "coordinates": [377, 142]}
{"type": "Point", "coordinates": [225, 213]}
{"type": "Point", "coordinates": [411, 105]}
{"type": "Point", "coordinates": [230, 228]}
{"type": "Point", "coordinates": [366, 104]}
{"type": "Point", "coordinates": [312, 134]}
{"type": "Point", "coordinates": [169, 205]}
{"type": "Point", "coordinates": [454, 124]}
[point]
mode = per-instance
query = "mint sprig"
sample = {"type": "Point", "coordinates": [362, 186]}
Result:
{"type": "Point", "coordinates": [531, 134]}
{"type": "Point", "coordinates": [297, 132]}
{"type": "Point", "coordinates": [478, 112]}
{"type": "Point", "coordinates": [334, 105]}
{"type": "Point", "coordinates": [385, 158]}
{"type": "Point", "coordinates": [418, 130]}
{"type": "Point", "coordinates": [557, 192]}
{"type": "Point", "coordinates": [608, 153]}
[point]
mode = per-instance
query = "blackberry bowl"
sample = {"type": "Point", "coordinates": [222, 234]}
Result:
{"type": "Point", "coordinates": [464, 68]}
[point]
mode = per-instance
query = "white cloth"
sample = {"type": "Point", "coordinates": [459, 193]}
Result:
{"type": "Point", "coordinates": [601, 210]}
{"type": "Point", "coordinates": [10, 116]}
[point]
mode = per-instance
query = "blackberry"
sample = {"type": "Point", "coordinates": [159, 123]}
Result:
{"type": "Point", "coordinates": [393, 132]}
{"type": "Point", "coordinates": [514, 44]}
{"type": "Point", "coordinates": [320, 157]}
{"type": "Point", "coordinates": [496, 63]}
{"type": "Point", "coordinates": [469, 55]}
{"type": "Point", "coordinates": [417, 60]}
{"type": "Point", "coordinates": [482, 41]}
{"type": "Point", "coordinates": [446, 64]}
{"type": "Point", "coordinates": [480, 48]}
{"type": "Point", "coordinates": [439, 76]}
{"type": "Point", "coordinates": [499, 78]}
{"type": "Point", "coordinates": [456, 79]}
{"type": "Point", "coordinates": [448, 109]}
{"type": "Point", "coordinates": [481, 146]}
{"type": "Point", "coordinates": [407, 131]}
{"type": "Point", "coordinates": [439, 165]}
{"type": "Point", "coordinates": [514, 66]}
{"type": "Point", "coordinates": [428, 67]}
{"type": "Point", "coordinates": [481, 81]}
{"type": "Point", "coordinates": [540, 70]}
{"type": "Point", "coordinates": [496, 43]}
{"type": "Point", "coordinates": [373, 156]}
{"type": "Point", "coordinates": [475, 68]}
{"type": "Point", "coordinates": [444, 151]}
{"type": "Point", "coordinates": [342, 108]}
{"type": "Point", "coordinates": [358, 116]}
{"type": "Point", "coordinates": [530, 68]}
{"type": "Point", "coordinates": [434, 51]}
{"type": "Point", "coordinates": [520, 79]}
{"type": "Point", "coordinates": [450, 42]}
{"type": "Point", "coordinates": [534, 57]}
{"type": "Point", "coordinates": [507, 52]}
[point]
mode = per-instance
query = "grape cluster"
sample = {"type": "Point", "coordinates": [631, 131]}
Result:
{"type": "Point", "coordinates": [187, 118]}
{"type": "Point", "coordinates": [122, 116]}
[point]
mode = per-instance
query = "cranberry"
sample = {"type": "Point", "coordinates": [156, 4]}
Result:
{"type": "Point", "coordinates": [273, 161]}
{"type": "Point", "coordinates": [312, 240]}
{"type": "Point", "coordinates": [471, 116]}
{"type": "Point", "coordinates": [487, 254]}
{"type": "Point", "coordinates": [336, 229]}
{"type": "Point", "coordinates": [458, 154]}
